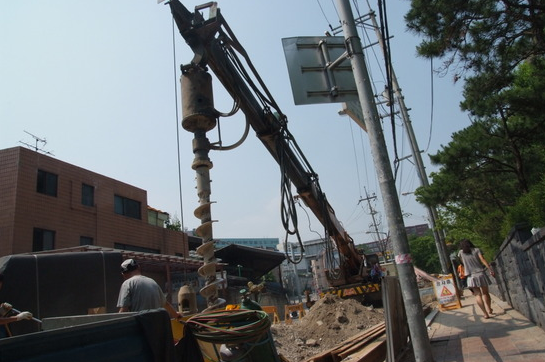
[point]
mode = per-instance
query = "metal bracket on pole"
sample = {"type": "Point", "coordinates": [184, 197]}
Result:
{"type": "Point", "coordinates": [330, 78]}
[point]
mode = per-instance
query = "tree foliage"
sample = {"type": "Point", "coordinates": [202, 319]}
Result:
{"type": "Point", "coordinates": [173, 224]}
{"type": "Point", "coordinates": [424, 253]}
{"type": "Point", "coordinates": [483, 36]}
{"type": "Point", "coordinates": [491, 173]}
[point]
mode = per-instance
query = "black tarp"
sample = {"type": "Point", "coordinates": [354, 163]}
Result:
{"type": "Point", "coordinates": [65, 284]}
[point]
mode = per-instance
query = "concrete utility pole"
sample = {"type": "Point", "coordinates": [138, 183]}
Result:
{"type": "Point", "coordinates": [417, 157]}
{"type": "Point", "coordinates": [371, 210]}
{"type": "Point", "coordinates": [381, 244]}
{"type": "Point", "coordinates": [405, 268]}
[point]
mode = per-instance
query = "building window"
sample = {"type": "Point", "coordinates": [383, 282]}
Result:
{"type": "Point", "coordinates": [127, 207]}
{"type": "Point", "coordinates": [47, 183]}
{"type": "Point", "coordinates": [87, 195]}
{"type": "Point", "coordinates": [85, 240]}
{"type": "Point", "coordinates": [43, 240]}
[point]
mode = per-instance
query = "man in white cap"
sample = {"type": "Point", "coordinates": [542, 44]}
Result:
{"type": "Point", "coordinates": [139, 292]}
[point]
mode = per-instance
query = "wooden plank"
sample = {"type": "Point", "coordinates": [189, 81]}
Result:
{"type": "Point", "coordinates": [331, 354]}
{"type": "Point", "coordinates": [282, 358]}
{"type": "Point", "coordinates": [358, 346]}
{"type": "Point", "coordinates": [360, 338]}
{"type": "Point", "coordinates": [357, 338]}
{"type": "Point", "coordinates": [375, 352]}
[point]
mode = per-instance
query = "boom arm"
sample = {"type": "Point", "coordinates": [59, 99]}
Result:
{"type": "Point", "coordinates": [213, 44]}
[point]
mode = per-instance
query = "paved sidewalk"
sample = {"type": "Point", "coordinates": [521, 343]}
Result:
{"type": "Point", "coordinates": [463, 335]}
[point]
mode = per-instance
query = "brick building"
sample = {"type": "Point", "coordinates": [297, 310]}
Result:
{"type": "Point", "coordinates": [48, 204]}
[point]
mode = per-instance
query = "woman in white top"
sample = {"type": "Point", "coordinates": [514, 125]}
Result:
{"type": "Point", "coordinates": [475, 270]}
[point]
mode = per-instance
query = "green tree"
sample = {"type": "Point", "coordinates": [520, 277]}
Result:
{"type": "Point", "coordinates": [173, 224]}
{"type": "Point", "coordinates": [269, 277]}
{"type": "Point", "coordinates": [529, 208]}
{"type": "Point", "coordinates": [489, 165]}
{"type": "Point", "coordinates": [424, 253]}
{"type": "Point", "coordinates": [481, 36]}
{"type": "Point", "coordinates": [488, 169]}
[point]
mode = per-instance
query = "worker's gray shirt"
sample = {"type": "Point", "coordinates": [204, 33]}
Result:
{"type": "Point", "coordinates": [140, 293]}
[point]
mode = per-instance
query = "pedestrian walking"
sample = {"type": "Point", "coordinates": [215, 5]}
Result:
{"type": "Point", "coordinates": [475, 267]}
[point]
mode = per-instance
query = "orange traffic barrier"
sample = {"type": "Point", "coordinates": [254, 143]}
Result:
{"type": "Point", "coordinates": [293, 308]}
{"type": "Point", "coordinates": [272, 310]}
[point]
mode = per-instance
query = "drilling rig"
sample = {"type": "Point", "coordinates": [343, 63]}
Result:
{"type": "Point", "coordinates": [216, 48]}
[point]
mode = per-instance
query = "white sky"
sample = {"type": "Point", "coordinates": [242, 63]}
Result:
{"type": "Point", "coordinates": [96, 80]}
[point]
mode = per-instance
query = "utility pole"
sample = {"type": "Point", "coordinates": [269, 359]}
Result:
{"type": "Point", "coordinates": [405, 268]}
{"type": "Point", "coordinates": [380, 242]}
{"type": "Point", "coordinates": [417, 157]}
{"type": "Point", "coordinates": [371, 210]}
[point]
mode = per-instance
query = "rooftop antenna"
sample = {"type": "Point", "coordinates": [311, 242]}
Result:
{"type": "Point", "coordinates": [37, 140]}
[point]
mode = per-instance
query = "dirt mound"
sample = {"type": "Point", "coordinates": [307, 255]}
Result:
{"type": "Point", "coordinates": [329, 322]}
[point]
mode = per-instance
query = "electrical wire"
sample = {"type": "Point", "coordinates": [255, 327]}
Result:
{"type": "Point", "coordinates": [308, 220]}
{"type": "Point", "coordinates": [177, 126]}
{"type": "Point", "coordinates": [355, 158]}
{"type": "Point", "coordinates": [385, 34]}
{"type": "Point", "coordinates": [336, 11]}
{"type": "Point", "coordinates": [432, 98]}
{"type": "Point", "coordinates": [323, 13]}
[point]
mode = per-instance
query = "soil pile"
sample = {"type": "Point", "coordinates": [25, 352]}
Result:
{"type": "Point", "coordinates": [329, 322]}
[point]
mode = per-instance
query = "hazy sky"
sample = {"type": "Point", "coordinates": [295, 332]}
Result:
{"type": "Point", "coordinates": [96, 80]}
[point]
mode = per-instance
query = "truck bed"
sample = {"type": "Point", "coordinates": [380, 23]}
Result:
{"type": "Point", "coordinates": [141, 337]}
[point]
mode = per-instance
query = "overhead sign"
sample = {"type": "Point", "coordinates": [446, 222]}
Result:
{"type": "Point", "coordinates": [319, 70]}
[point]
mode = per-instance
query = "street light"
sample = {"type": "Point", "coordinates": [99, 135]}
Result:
{"type": "Point", "coordinates": [239, 267]}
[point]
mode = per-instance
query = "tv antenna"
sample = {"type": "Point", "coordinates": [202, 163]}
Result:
{"type": "Point", "coordinates": [37, 140]}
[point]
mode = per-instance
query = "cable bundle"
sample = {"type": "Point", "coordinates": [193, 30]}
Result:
{"type": "Point", "coordinates": [230, 326]}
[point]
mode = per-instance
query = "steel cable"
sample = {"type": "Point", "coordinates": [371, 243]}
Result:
{"type": "Point", "coordinates": [230, 326]}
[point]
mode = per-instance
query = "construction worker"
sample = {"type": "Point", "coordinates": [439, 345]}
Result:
{"type": "Point", "coordinates": [462, 275]}
{"type": "Point", "coordinates": [5, 319]}
{"type": "Point", "coordinates": [139, 292]}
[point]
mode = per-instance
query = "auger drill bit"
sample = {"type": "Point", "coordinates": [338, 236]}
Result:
{"type": "Point", "coordinates": [199, 118]}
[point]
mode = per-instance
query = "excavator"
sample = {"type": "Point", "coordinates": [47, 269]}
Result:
{"type": "Point", "coordinates": [217, 49]}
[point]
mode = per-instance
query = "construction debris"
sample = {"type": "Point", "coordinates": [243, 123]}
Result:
{"type": "Point", "coordinates": [333, 327]}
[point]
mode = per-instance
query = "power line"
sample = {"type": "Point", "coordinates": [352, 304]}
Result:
{"type": "Point", "coordinates": [432, 98]}
{"type": "Point", "coordinates": [177, 127]}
